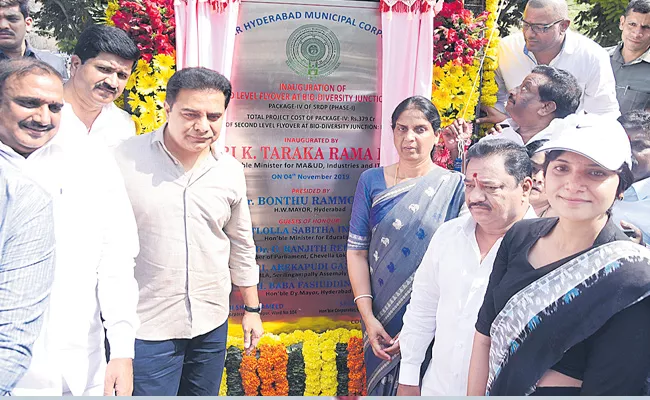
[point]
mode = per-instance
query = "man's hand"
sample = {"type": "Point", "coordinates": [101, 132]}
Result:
{"type": "Point", "coordinates": [119, 377]}
{"type": "Point", "coordinates": [407, 390]}
{"type": "Point", "coordinates": [638, 235]}
{"type": "Point", "coordinates": [253, 330]}
{"type": "Point", "coordinates": [494, 116]}
{"type": "Point", "coordinates": [378, 337]}
{"type": "Point", "coordinates": [459, 131]}
{"type": "Point", "coordinates": [393, 349]}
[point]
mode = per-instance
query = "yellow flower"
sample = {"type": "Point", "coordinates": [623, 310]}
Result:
{"type": "Point", "coordinates": [149, 105]}
{"type": "Point", "coordinates": [442, 100]}
{"type": "Point", "coordinates": [438, 73]}
{"type": "Point", "coordinates": [445, 121]}
{"type": "Point", "coordinates": [143, 68]}
{"type": "Point", "coordinates": [135, 103]}
{"type": "Point", "coordinates": [455, 69]}
{"type": "Point", "coordinates": [148, 121]}
{"type": "Point", "coordinates": [147, 83]}
{"type": "Point", "coordinates": [111, 9]}
{"type": "Point", "coordinates": [138, 126]}
{"type": "Point", "coordinates": [164, 62]}
{"type": "Point", "coordinates": [269, 338]}
{"type": "Point", "coordinates": [448, 84]}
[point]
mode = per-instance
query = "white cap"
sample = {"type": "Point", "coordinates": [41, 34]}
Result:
{"type": "Point", "coordinates": [599, 138]}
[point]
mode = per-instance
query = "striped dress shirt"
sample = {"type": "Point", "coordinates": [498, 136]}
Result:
{"type": "Point", "coordinates": [26, 270]}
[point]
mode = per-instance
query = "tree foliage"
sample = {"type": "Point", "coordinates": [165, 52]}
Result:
{"type": "Point", "coordinates": [597, 19]}
{"type": "Point", "coordinates": [600, 21]}
{"type": "Point", "coordinates": [66, 19]}
{"type": "Point", "coordinates": [510, 15]}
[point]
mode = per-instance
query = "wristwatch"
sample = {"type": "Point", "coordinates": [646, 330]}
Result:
{"type": "Point", "coordinates": [257, 309]}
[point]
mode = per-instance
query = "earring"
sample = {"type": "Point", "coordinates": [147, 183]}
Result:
{"type": "Point", "coordinates": [620, 196]}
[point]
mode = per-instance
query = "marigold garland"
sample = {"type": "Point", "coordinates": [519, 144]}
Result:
{"type": "Point", "coordinates": [357, 384]}
{"type": "Point", "coordinates": [490, 64]}
{"type": "Point", "coordinates": [343, 377]}
{"type": "Point", "coordinates": [249, 378]}
{"type": "Point", "coordinates": [233, 378]}
{"type": "Point", "coordinates": [272, 370]}
{"type": "Point", "coordinates": [313, 364]}
{"type": "Point", "coordinates": [296, 370]}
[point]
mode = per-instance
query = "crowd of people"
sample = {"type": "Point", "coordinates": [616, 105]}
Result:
{"type": "Point", "coordinates": [525, 275]}
{"type": "Point", "coordinates": [538, 283]}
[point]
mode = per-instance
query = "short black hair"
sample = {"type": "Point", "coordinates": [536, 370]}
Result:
{"type": "Point", "coordinates": [561, 87]}
{"type": "Point", "coordinates": [23, 5]}
{"type": "Point", "coordinates": [516, 160]}
{"type": "Point", "coordinates": [532, 147]}
{"type": "Point", "coordinates": [420, 103]}
{"type": "Point", "coordinates": [636, 121]}
{"type": "Point", "coordinates": [197, 78]}
{"type": "Point", "coordinates": [20, 67]}
{"type": "Point", "coordinates": [638, 6]}
{"type": "Point", "coordinates": [106, 39]}
{"type": "Point", "coordinates": [625, 177]}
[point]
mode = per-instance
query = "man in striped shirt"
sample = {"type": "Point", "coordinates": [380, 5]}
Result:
{"type": "Point", "coordinates": [26, 270]}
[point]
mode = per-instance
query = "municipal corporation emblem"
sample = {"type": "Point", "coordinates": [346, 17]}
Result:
{"type": "Point", "coordinates": [313, 51]}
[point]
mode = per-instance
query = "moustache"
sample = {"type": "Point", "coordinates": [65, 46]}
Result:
{"type": "Point", "coordinates": [36, 126]}
{"type": "Point", "coordinates": [7, 32]}
{"type": "Point", "coordinates": [480, 204]}
{"type": "Point", "coordinates": [511, 98]}
{"type": "Point", "coordinates": [106, 87]}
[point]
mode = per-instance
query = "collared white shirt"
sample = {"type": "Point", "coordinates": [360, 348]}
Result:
{"type": "Point", "coordinates": [111, 127]}
{"type": "Point", "coordinates": [635, 207]}
{"type": "Point", "coordinates": [96, 242]}
{"type": "Point", "coordinates": [580, 56]}
{"type": "Point", "coordinates": [448, 291]}
{"type": "Point", "coordinates": [557, 127]}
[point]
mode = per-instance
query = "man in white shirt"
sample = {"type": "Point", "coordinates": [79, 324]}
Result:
{"type": "Point", "coordinates": [545, 39]}
{"type": "Point", "coordinates": [450, 283]}
{"type": "Point", "coordinates": [635, 207]}
{"type": "Point", "coordinates": [96, 240]}
{"type": "Point", "coordinates": [101, 65]}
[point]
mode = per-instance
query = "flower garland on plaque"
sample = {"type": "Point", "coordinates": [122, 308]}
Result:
{"type": "Point", "coordinates": [299, 363]}
{"type": "Point", "coordinates": [151, 24]}
{"type": "Point", "coordinates": [462, 42]}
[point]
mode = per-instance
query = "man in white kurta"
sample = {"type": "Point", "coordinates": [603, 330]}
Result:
{"type": "Point", "coordinates": [451, 281]}
{"type": "Point", "coordinates": [96, 241]}
{"type": "Point", "coordinates": [101, 65]}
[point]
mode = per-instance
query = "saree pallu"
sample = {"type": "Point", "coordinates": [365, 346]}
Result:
{"type": "Point", "coordinates": [561, 309]}
{"type": "Point", "coordinates": [397, 246]}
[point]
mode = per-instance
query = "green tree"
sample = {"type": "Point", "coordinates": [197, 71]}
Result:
{"type": "Point", "coordinates": [66, 19]}
{"type": "Point", "coordinates": [600, 21]}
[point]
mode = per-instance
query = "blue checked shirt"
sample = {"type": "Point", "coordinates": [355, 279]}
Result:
{"type": "Point", "coordinates": [26, 270]}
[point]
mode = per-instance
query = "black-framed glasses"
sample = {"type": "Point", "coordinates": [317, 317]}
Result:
{"type": "Point", "coordinates": [538, 28]}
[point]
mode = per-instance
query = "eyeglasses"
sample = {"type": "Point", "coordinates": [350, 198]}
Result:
{"type": "Point", "coordinates": [538, 28]}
